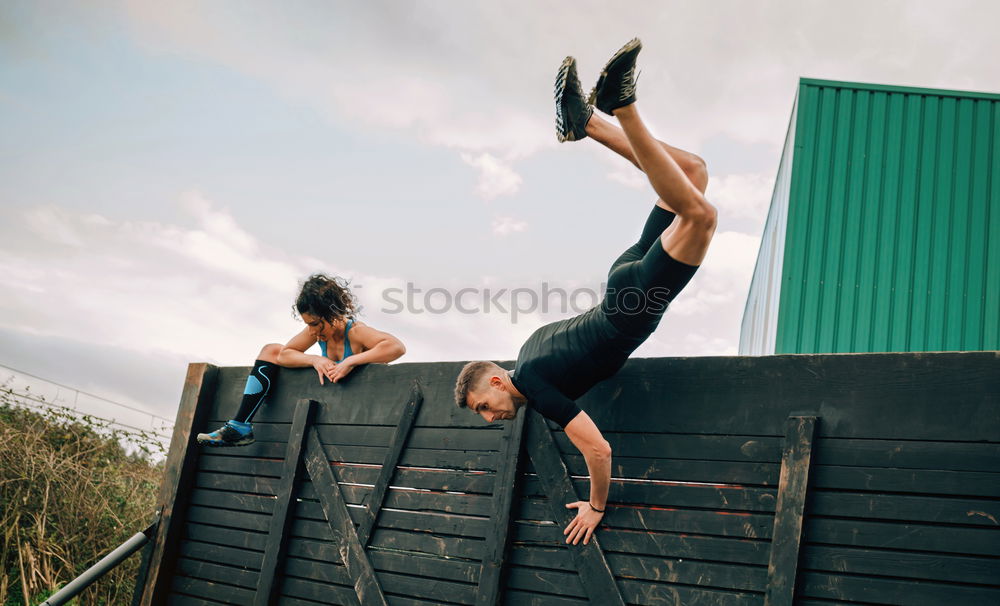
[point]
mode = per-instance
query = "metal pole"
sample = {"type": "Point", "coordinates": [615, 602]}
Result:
{"type": "Point", "coordinates": [101, 568]}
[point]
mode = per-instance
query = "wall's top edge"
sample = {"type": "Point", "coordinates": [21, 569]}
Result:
{"type": "Point", "coordinates": [911, 90]}
{"type": "Point", "coordinates": [888, 354]}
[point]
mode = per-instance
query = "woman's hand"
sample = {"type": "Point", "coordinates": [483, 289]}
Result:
{"type": "Point", "coordinates": [583, 526]}
{"type": "Point", "coordinates": [325, 367]}
{"type": "Point", "coordinates": [343, 368]}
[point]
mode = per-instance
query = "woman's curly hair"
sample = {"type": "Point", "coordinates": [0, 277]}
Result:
{"type": "Point", "coordinates": [326, 297]}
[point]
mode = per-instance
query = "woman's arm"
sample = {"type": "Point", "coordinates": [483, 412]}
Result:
{"type": "Point", "coordinates": [293, 356]}
{"type": "Point", "coordinates": [378, 347]}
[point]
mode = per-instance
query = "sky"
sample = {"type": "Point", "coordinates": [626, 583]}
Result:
{"type": "Point", "coordinates": [170, 171]}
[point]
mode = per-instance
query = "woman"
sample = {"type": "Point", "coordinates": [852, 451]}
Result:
{"type": "Point", "coordinates": [328, 308]}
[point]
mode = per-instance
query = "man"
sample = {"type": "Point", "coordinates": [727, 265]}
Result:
{"type": "Point", "coordinates": [563, 360]}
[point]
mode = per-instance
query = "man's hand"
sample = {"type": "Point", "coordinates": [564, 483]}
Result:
{"type": "Point", "coordinates": [343, 368]}
{"type": "Point", "coordinates": [325, 367]}
{"type": "Point", "coordinates": [584, 524]}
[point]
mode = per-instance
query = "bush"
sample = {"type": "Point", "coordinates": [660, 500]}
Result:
{"type": "Point", "coordinates": [70, 492]}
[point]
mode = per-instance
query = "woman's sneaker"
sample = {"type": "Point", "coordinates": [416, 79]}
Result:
{"type": "Point", "coordinates": [616, 86]}
{"type": "Point", "coordinates": [227, 435]}
{"type": "Point", "coordinates": [572, 109]}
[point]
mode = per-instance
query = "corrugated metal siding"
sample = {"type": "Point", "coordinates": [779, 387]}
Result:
{"type": "Point", "coordinates": [760, 316]}
{"type": "Point", "coordinates": [894, 220]}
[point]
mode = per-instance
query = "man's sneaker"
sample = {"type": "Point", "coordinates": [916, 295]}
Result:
{"type": "Point", "coordinates": [572, 109]}
{"type": "Point", "coordinates": [616, 86]}
{"type": "Point", "coordinates": [227, 435]}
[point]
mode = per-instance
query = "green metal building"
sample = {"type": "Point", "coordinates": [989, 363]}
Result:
{"type": "Point", "coordinates": [884, 227]}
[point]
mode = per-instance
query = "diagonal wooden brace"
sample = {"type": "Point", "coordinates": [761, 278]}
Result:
{"type": "Point", "coordinates": [277, 537]}
{"type": "Point", "coordinates": [595, 574]}
{"type": "Point", "coordinates": [399, 437]}
{"type": "Point", "coordinates": [488, 593]}
{"type": "Point", "coordinates": [352, 553]}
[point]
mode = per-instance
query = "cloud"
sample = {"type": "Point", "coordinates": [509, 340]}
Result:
{"type": "Point", "coordinates": [741, 198]}
{"type": "Point", "coordinates": [496, 178]}
{"type": "Point", "coordinates": [504, 226]}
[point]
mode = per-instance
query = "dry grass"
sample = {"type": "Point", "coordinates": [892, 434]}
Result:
{"type": "Point", "coordinates": [69, 493]}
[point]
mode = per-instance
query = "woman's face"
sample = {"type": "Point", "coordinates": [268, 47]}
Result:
{"type": "Point", "coordinates": [318, 327]}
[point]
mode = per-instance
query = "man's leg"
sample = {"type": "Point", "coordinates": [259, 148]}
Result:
{"type": "Point", "coordinates": [614, 138]}
{"type": "Point", "coordinates": [688, 238]}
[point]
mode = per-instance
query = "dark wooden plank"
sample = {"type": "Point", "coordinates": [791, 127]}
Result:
{"type": "Point", "coordinates": [417, 500]}
{"type": "Point", "coordinates": [253, 503]}
{"type": "Point", "coordinates": [893, 563]}
{"type": "Point", "coordinates": [480, 482]}
{"type": "Point", "coordinates": [847, 588]}
{"type": "Point", "coordinates": [437, 568]}
{"type": "Point", "coordinates": [484, 437]}
{"type": "Point", "coordinates": [666, 593]}
{"type": "Point", "coordinates": [908, 508]}
{"type": "Point", "coordinates": [238, 520]}
{"type": "Point", "coordinates": [589, 559]}
{"type": "Point", "coordinates": [399, 440]}
{"type": "Point", "coordinates": [513, 597]}
{"type": "Point", "coordinates": [651, 568]}
{"type": "Point", "coordinates": [635, 592]}
{"type": "Point", "coordinates": [488, 593]}
{"type": "Point", "coordinates": [179, 599]}
{"type": "Point", "coordinates": [677, 545]}
{"type": "Point", "coordinates": [236, 538]}
{"type": "Point", "coordinates": [217, 592]}
{"type": "Point", "coordinates": [413, 584]}
{"type": "Point", "coordinates": [351, 551]}
{"type": "Point", "coordinates": [427, 543]}
{"type": "Point", "coordinates": [903, 536]}
{"type": "Point", "coordinates": [277, 536]}
{"type": "Point", "coordinates": [461, 460]}
{"type": "Point", "coordinates": [367, 397]}
{"type": "Point", "coordinates": [199, 388]}
{"type": "Point", "coordinates": [683, 470]}
{"type": "Point", "coordinates": [787, 536]}
{"type": "Point", "coordinates": [668, 519]}
{"type": "Point", "coordinates": [923, 481]}
{"type": "Point", "coordinates": [238, 483]}
{"type": "Point", "coordinates": [316, 592]}
{"type": "Point", "coordinates": [909, 454]}
{"type": "Point", "coordinates": [217, 573]}
{"type": "Point", "coordinates": [917, 396]}
{"type": "Point", "coordinates": [209, 552]}
{"type": "Point", "coordinates": [726, 497]}
{"type": "Point", "coordinates": [692, 447]}
{"type": "Point", "coordinates": [417, 521]}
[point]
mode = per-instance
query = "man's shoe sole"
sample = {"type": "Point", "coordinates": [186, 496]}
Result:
{"type": "Point", "coordinates": [564, 130]}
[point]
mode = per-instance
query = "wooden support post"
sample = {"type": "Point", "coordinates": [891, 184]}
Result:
{"type": "Point", "coordinates": [787, 535]}
{"type": "Point", "coordinates": [503, 499]}
{"type": "Point", "coordinates": [595, 574]}
{"type": "Point", "coordinates": [399, 437]}
{"type": "Point", "coordinates": [196, 399]}
{"type": "Point", "coordinates": [352, 553]}
{"type": "Point", "coordinates": [277, 535]}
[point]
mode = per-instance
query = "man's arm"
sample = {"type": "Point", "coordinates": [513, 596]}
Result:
{"type": "Point", "coordinates": [597, 452]}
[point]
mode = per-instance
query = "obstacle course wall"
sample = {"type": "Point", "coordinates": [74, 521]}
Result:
{"type": "Point", "coordinates": [869, 478]}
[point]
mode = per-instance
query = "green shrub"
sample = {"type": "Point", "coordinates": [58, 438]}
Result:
{"type": "Point", "coordinates": [70, 492]}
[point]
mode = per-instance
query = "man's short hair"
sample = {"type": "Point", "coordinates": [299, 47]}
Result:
{"type": "Point", "coordinates": [471, 378]}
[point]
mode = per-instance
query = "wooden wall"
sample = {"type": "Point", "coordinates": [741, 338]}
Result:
{"type": "Point", "coordinates": [871, 478]}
